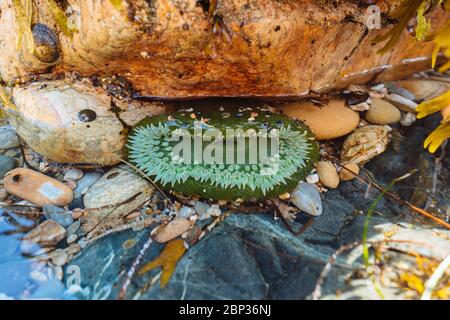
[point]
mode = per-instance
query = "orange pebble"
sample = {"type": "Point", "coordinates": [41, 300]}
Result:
{"type": "Point", "coordinates": [37, 188]}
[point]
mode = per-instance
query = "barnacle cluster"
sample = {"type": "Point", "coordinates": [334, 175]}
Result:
{"type": "Point", "coordinates": [237, 169]}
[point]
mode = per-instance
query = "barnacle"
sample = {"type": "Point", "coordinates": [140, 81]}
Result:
{"type": "Point", "coordinates": [238, 169]}
{"type": "Point", "coordinates": [46, 44]}
{"type": "Point", "coordinates": [441, 133]}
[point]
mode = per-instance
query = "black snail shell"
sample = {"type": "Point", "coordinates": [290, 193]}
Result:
{"type": "Point", "coordinates": [46, 44]}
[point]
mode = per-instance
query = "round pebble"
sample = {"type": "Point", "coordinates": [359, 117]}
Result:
{"type": "Point", "coordinates": [382, 112]}
{"type": "Point", "coordinates": [346, 175]}
{"type": "Point", "coordinates": [8, 138]}
{"type": "Point", "coordinates": [73, 174]}
{"type": "Point", "coordinates": [330, 121]}
{"type": "Point", "coordinates": [328, 174]}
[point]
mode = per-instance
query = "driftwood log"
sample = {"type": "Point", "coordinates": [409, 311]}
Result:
{"type": "Point", "coordinates": [199, 48]}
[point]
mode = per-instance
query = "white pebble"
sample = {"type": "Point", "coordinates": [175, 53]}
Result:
{"type": "Point", "coordinates": [306, 197]}
{"type": "Point", "coordinates": [312, 178]}
{"type": "Point", "coordinates": [407, 119]}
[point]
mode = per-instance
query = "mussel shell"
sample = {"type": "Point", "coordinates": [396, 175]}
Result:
{"type": "Point", "coordinates": [46, 44]}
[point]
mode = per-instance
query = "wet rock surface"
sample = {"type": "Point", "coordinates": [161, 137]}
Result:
{"type": "Point", "coordinates": [254, 256]}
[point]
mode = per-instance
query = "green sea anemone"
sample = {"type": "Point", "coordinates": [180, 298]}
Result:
{"type": "Point", "coordinates": [247, 153]}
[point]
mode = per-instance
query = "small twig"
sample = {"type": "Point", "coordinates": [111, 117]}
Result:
{"type": "Point", "coordinates": [109, 213]}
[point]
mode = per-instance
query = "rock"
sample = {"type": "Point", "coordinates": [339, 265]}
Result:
{"type": "Point", "coordinates": [306, 197]}
{"type": "Point", "coordinates": [73, 228]}
{"type": "Point", "coordinates": [201, 208]}
{"type": "Point", "coordinates": [365, 143]}
{"type": "Point", "coordinates": [394, 87]}
{"type": "Point", "coordinates": [83, 185]}
{"type": "Point", "coordinates": [37, 188]}
{"type": "Point", "coordinates": [58, 272]}
{"type": "Point", "coordinates": [312, 178]}
{"type": "Point", "coordinates": [47, 234]}
{"type": "Point", "coordinates": [172, 230]}
{"type": "Point", "coordinates": [60, 258]}
{"type": "Point", "coordinates": [6, 165]}
{"type": "Point", "coordinates": [116, 186]}
{"type": "Point", "coordinates": [73, 122]}
{"type": "Point", "coordinates": [408, 118]}
{"type": "Point", "coordinates": [424, 89]}
{"type": "Point", "coordinates": [214, 211]}
{"type": "Point", "coordinates": [328, 174]}
{"type": "Point", "coordinates": [401, 102]}
{"type": "Point", "coordinates": [186, 212]}
{"type": "Point", "coordinates": [346, 175]}
{"type": "Point", "coordinates": [327, 122]}
{"type": "Point", "coordinates": [73, 174]}
{"type": "Point", "coordinates": [8, 138]}
{"type": "Point", "coordinates": [77, 213]}
{"type": "Point", "coordinates": [382, 112]}
{"type": "Point", "coordinates": [58, 215]}
{"type": "Point", "coordinates": [358, 101]}
{"type": "Point", "coordinates": [72, 238]}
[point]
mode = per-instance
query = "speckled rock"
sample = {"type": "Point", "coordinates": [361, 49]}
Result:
{"type": "Point", "coordinates": [330, 121]}
{"type": "Point", "coordinates": [116, 186]}
{"type": "Point", "coordinates": [365, 143]}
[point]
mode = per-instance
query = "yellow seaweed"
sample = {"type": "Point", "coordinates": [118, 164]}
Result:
{"type": "Point", "coordinates": [168, 260]}
{"type": "Point", "coordinates": [405, 13]}
{"type": "Point", "coordinates": [441, 133]}
{"type": "Point", "coordinates": [60, 17]}
{"type": "Point", "coordinates": [437, 137]}
{"type": "Point", "coordinates": [24, 13]}
{"type": "Point", "coordinates": [116, 3]}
